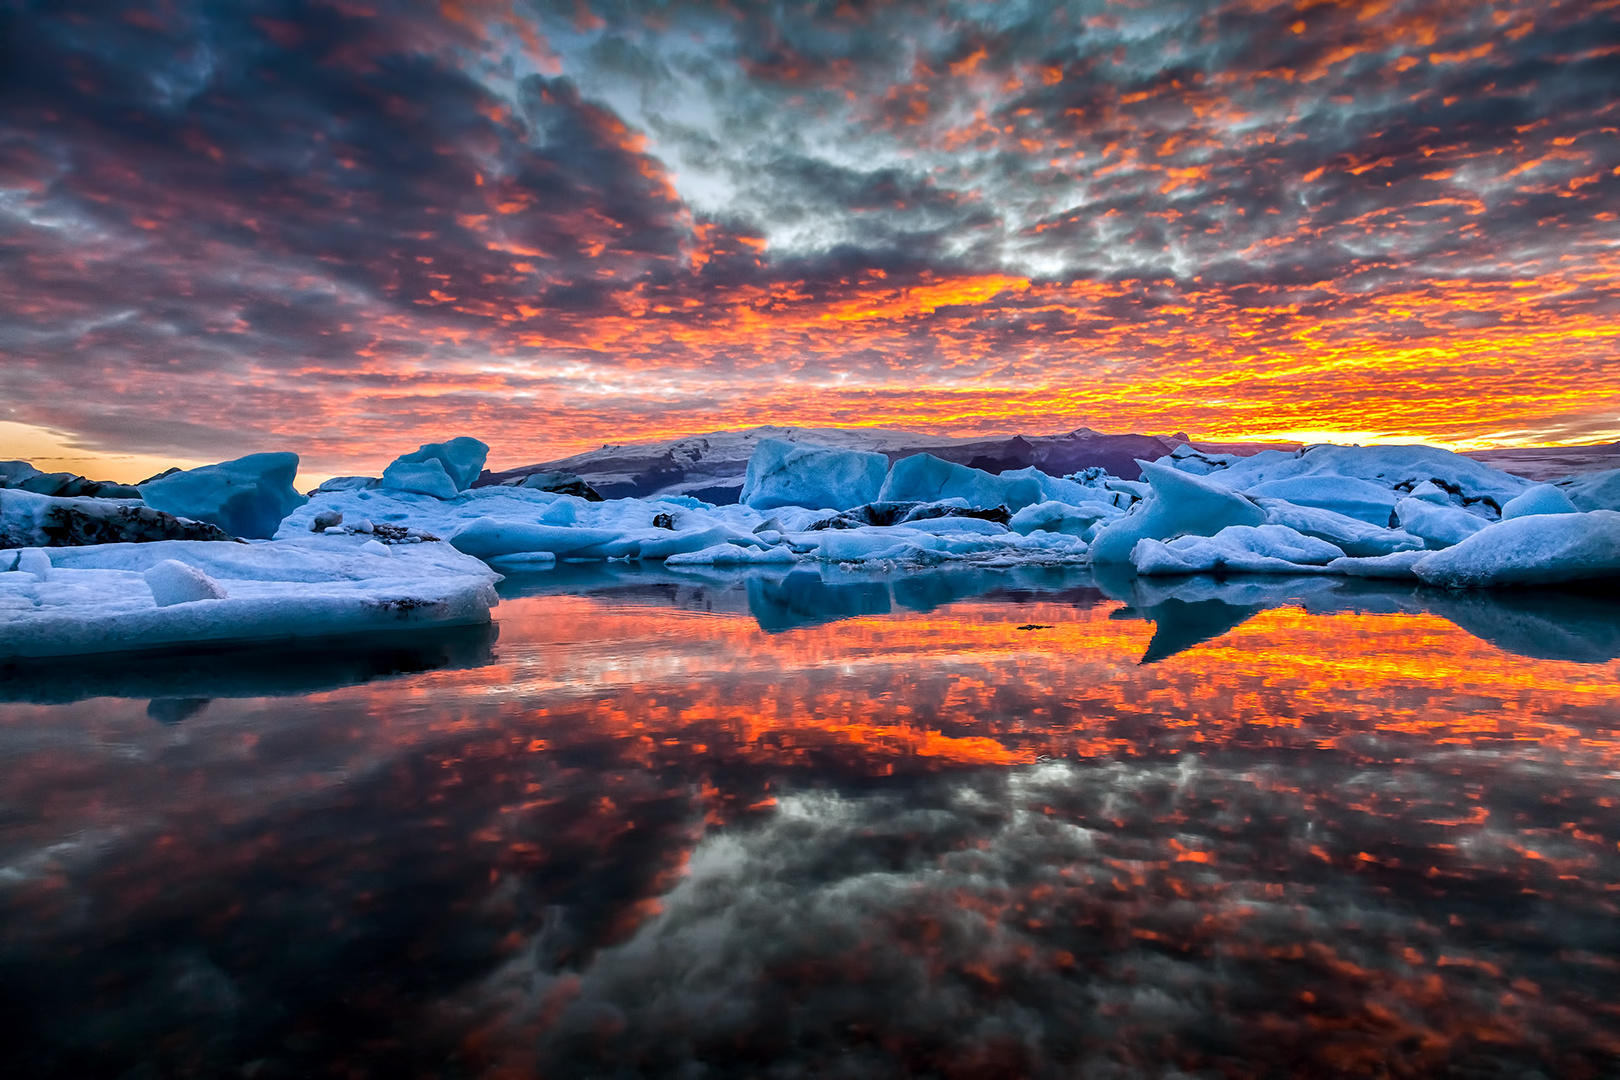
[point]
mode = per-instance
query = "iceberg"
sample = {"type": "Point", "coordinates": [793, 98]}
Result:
{"type": "Point", "coordinates": [1436, 525]}
{"type": "Point", "coordinates": [492, 538]}
{"type": "Point", "coordinates": [461, 458]}
{"type": "Point", "coordinates": [248, 496]}
{"type": "Point", "coordinates": [1536, 550]}
{"type": "Point", "coordinates": [1541, 499]}
{"type": "Point", "coordinates": [121, 597]}
{"type": "Point", "coordinates": [1346, 495]}
{"type": "Point", "coordinates": [732, 555]}
{"type": "Point", "coordinates": [1060, 517]}
{"type": "Point", "coordinates": [1594, 491]}
{"type": "Point", "coordinates": [1353, 535]}
{"type": "Point", "coordinates": [1400, 468]}
{"type": "Point", "coordinates": [782, 473]}
{"type": "Point", "coordinates": [1254, 549]}
{"type": "Point", "coordinates": [1180, 504]}
{"type": "Point", "coordinates": [926, 478]}
{"type": "Point", "coordinates": [420, 477]}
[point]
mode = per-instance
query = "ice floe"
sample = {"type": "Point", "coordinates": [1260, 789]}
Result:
{"type": "Point", "coordinates": [116, 597]}
{"type": "Point", "coordinates": [1537, 550]}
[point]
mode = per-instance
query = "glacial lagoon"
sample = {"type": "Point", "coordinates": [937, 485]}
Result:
{"type": "Point", "coordinates": [951, 823]}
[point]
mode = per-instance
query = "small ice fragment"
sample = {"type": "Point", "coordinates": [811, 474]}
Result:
{"type": "Point", "coordinates": [326, 519]}
{"type": "Point", "coordinates": [34, 561]}
{"type": "Point", "coordinates": [173, 582]}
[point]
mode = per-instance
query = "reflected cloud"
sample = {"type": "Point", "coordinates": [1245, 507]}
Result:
{"type": "Point", "coordinates": [647, 835]}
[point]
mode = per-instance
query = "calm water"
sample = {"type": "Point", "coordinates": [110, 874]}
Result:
{"type": "Point", "coordinates": [950, 825]}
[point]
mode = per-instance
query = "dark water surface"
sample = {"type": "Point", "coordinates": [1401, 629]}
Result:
{"type": "Point", "coordinates": [954, 824]}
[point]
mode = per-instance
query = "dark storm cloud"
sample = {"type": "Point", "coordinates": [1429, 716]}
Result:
{"type": "Point", "coordinates": [260, 206]}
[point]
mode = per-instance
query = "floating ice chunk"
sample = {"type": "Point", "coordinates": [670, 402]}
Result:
{"type": "Point", "coordinates": [1042, 544]}
{"type": "Point", "coordinates": [173, 582]}
{"type": "Point", "coordinates": [943, 526]}
{"type": "Point", "coordinates": [1263, 549]}
{"type": "Point", "coordinates": [1180, 504]}
{"type": "Point", "coordinates": [422, 477]}
{"type": "Point", "coordinates": [654, 544]}
{"type": "Point", "coordinates": [246, 497]}
{"type": "Point", "coordinates": [782, 473]}
{"type": "Point", "coordinates": [1396, 565]}
{"type": "Point", "coordinates": [1058, 488]}
{"type": "Point", "coordinates": [34, 561]}
{"type": "Point", "coordinates": [1539, 550]}
{"type": "Point", "coordinates": [101, 599]}
{"type": "Point", "coordinates": [1541, 499]}
{"type": "Point", "coordinates": [1429, 491]}
{"type": "Point", "coordinates": [1355, 536]}
{"type": "Point", "coordinates": [1594, 491]}
{"type": "Point", "coordinates": [346, 483]}
{"type": "Point", "coordinates": [462, 459]}
{"type": "Point", "coordinates": [1347, 495]}
{"type": "Point", "coordinates": [874, 544]}
{"type": "Point", "coordinates": [1403, 467]}
{"type": "Point", "coordinates": [1060, 517]}
{"type": "Point", "coordinates": [926, 478]}
{"type": "Point", "coordinates": [488, 538]}
{"type": "Point", "coordinates": [1437, 526]}
{"type": "Point", "coordinates": [732, 555]}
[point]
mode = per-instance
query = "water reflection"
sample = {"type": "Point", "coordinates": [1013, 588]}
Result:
{"type": "Point", "coordinates": [677, 827]}
{"type": "Point", "coordinates": [206, 671]}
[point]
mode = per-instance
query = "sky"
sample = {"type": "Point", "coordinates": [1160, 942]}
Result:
{"type": "Point", "coordinates": [346, 227]}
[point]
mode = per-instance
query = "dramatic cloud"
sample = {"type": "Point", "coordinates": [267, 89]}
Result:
{"type": "Point", "coordinates": [326, 223]}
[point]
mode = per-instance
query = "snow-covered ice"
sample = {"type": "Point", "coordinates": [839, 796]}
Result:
{"type": "Point", "coordinates": [116, 597]}
{"type": "Point", "coordinates": [174, 582]}
{"type": "Point", "coordinates": [1537, 550]}
{"type": "Point", "coordinates": [1399, 468]}
{"type": "Point", "coordinates": [1594, 491]}
{"type": "Point", "coordinates": [1255, 549]}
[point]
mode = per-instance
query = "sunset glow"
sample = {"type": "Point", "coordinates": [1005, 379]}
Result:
{"type": "Point", "coordinates": [333, 226]}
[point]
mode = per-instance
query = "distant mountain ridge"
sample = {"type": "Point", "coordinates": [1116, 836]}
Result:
{"type": "Point", "coordinates": [711, 466]}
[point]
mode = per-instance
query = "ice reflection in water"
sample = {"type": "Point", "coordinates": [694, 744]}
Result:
{"type": "Point", "coordinates": [665, 826]}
